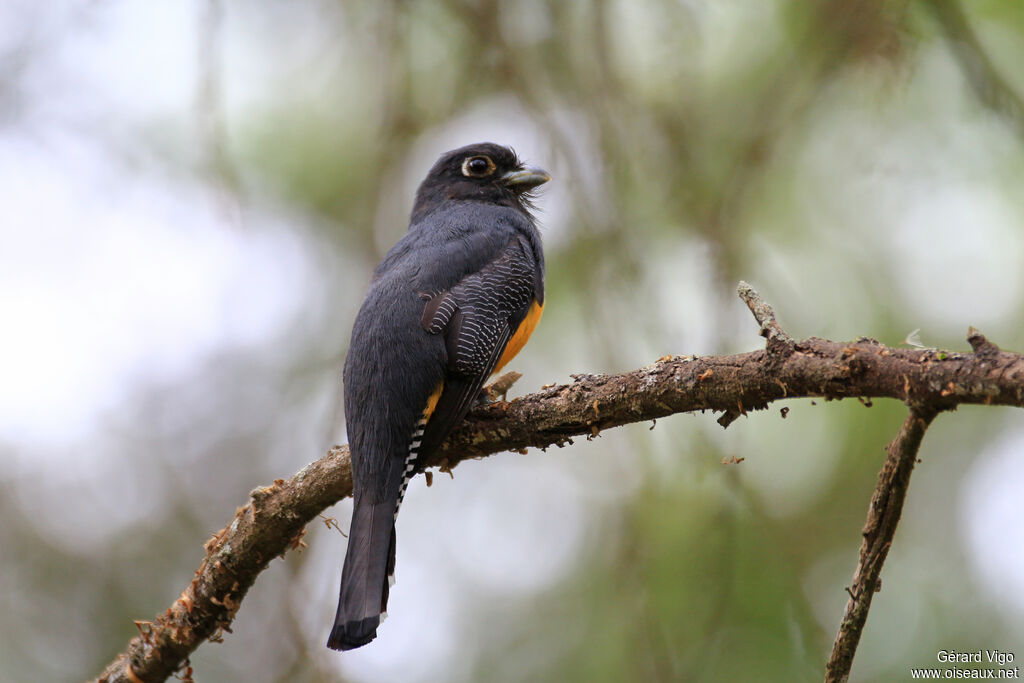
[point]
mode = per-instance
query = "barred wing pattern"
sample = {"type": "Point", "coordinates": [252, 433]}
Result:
{"type": "Point", "coordinates": [477, 317]}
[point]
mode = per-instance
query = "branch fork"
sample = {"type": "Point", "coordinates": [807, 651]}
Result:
{"type": "Point", "coordinates": [928, 380]}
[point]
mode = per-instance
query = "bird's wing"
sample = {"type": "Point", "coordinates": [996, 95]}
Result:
{"type": "Point", "coordinates": [478, 316]}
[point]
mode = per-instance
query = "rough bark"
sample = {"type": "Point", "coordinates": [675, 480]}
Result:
{"type": "Point", "coordinates": [879, 529]}
{"type": "Point", "coordinates": [274, 519]}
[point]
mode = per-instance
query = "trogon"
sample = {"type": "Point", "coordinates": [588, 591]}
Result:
{"type": "Point", "coordinates": [452, 302]}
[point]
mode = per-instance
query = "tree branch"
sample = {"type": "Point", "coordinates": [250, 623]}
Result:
{"type": "Point", "coordinates": [275, 517]}
{"type": "Point", "coordinates": [764, 315]}
{"type": "Point", "coordinates": [879, 529]}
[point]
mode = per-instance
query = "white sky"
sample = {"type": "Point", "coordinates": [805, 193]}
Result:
{"type": "Point", "coordinates": [100, 290]}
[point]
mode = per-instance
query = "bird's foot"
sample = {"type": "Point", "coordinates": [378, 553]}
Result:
{"type": "Point", "coordinates": [497, 390]}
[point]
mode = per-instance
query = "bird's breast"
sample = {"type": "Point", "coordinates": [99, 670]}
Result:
{"type": "Point", "coordinates": [521, 335]}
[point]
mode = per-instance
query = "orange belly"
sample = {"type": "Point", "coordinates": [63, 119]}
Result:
{"type": "Point", "coordinates": [432, 401]}
{"type": "Point", "coordinates": [521, 336]}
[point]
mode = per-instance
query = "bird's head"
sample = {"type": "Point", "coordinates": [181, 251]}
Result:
{"type": "Point", "coordinates": [483, 172]}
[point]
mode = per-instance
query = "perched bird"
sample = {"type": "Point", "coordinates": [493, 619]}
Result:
{"type": "Point", "coordinates": [452, 302]}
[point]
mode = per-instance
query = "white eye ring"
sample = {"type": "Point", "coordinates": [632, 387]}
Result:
{"type": "Point", "coordinates": [478, 172]}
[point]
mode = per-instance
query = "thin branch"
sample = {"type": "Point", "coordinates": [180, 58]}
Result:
{"type": "Point", "coordinates": [879, 529]}
{"type": "Point", "coordinates": [764, 315]}
{"type": "Point", "coordinates": [275, 517]}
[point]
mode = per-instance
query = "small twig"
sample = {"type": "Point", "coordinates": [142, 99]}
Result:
{"type": "Point", "coordinates": [763, 313]}
{"type": "Point", "coordinates": [728, 417]}
{"type": "Point", "coordinates": [981, 345]}
{"type": "Point", "coordinates": [879, 529]}
{"type": "Point", "coordinates": [780, 345]}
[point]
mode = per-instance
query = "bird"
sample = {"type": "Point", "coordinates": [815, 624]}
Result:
{"type": "Point", "coordinates": [450, 304]}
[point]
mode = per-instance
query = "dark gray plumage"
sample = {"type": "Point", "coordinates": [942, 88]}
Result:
{"type": "Point", "coordinates": [453, 300]}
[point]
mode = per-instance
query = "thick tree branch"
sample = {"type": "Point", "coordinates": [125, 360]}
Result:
{"type": "Point", "coordinates": [883, 516]}
{"type": "Point", "coordinates": [275, 517]}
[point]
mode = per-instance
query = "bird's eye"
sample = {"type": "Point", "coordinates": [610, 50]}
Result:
{"type": "Point", "coordinates": [477, 167]}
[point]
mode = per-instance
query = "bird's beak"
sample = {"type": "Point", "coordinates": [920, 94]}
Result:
{"type": "Point", "coordinates": [525, 178]}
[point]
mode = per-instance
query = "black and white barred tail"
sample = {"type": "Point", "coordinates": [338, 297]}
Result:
{"type": "Point", "coordinates": [410, 461]}
{"type": "Point", "coordinates": [369, 570]}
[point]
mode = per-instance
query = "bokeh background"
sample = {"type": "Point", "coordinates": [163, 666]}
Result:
{"type": "Point", "coordinates": [193, 195]}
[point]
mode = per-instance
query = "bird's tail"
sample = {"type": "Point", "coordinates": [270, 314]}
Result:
{"type": "Point", "coordinates": [366, 576]}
